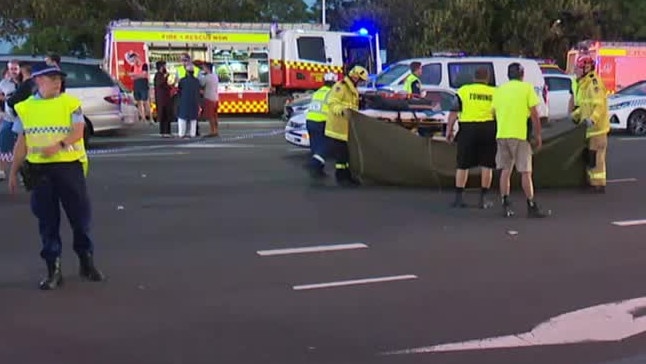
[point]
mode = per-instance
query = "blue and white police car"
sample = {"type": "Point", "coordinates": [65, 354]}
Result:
{"type": "Point", "coordinates": [627, 109]}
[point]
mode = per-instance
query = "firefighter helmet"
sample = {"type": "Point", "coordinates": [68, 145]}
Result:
{"type": "Point", "coordinates": [584, 60]}
{"type": "Point", "coordinates": [360, 72]}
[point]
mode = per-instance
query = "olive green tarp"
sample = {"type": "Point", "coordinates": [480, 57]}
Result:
{"type": "Point", "coordinates": [385, 153]}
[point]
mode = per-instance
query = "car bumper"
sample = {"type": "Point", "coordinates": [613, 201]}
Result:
{"type": "Point", "coordinates": [297, 137]}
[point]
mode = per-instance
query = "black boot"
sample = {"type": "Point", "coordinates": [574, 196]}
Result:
{"type": "Point", "coordinates": [533, 211]}
{"type": "Point", "coordinates": [87, 269]}
{"type": "Point", "coordinates": [344, 178]}
{"type": "Point", "coordinates": [54, 276]}
{"type": "Point", "coordinates": [458, 202]}
{"type": "Point", "coordinates": [507, 211]}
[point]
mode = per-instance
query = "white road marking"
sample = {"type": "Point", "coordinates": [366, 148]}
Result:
{"type": "Point", "coordinates": [354, 282]}
{"type": "Point", "coordinates": [631, 138]}
{"type": "Point", "coordinates": [311, 249]}
{"type": "Point", "coordinates": [621, 180]}
{"type": "Point", "coordinates": [207, 146]}
{"type": "Point", "coordinates": [614, 321]}
{"type": "Point", "coordinates": [126, 154]}
{"type": "Point", "coordinates": [629, 222]}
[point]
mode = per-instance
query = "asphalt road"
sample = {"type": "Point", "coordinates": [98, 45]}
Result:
{"type": "Point", "coordinates": [179, 229]}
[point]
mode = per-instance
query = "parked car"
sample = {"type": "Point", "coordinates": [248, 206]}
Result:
{"type": "Point", "coordinates": [296, 131]}
{"type": "Point", "coordinates": [106, 106]}
{"type": "Point", "coordinates": [453, 72]}
{"type": "Point", "coordinates": [296, 106]}
{"type": "Point", "coordinates": [628, 109]}
{"type": "Point", "coordinates": [558, 88]}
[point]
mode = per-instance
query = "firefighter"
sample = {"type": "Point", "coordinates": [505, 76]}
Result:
{"type": "Point", "coordinates": [592, 102]}
{"type": "Point", "coordinates": [316, 117]}
{"type": "Point", "coordinates": [50, 145]}
{"type": "Point", "coordinates": [343, 95]}
{"type": "Point", "coordinates": [412, 83]}
{"type": "Point", "coordinates": [477, 136]}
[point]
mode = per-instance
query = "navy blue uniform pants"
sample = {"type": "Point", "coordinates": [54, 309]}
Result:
{"type": "Point", "coordinates": [61, 184]}
{"type": "Point", "coordinates": [316, 130]}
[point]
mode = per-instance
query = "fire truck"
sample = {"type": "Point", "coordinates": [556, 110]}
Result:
{"type": "Point", "coordinates": [260, 65]}
{"type": "Point", "coordinates": [619, 64]}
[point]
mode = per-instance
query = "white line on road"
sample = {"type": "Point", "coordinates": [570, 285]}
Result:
{"type": "Point", "coordinates": [621, 180]}
{"type": "Point", "coordinates": [631, 138]}
{"type": "Point", "coordinates": [311, 249]}
{"type": "Point", "coordinates": [629, 222]}
{"type": "Point", "coordinates": [354, 282]}
{"type": "Point", "coordinates": [127, 154]}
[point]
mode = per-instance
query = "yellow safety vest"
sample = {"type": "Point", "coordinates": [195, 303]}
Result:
{"type": "Point", "coordinates": [408, 83]}
{"type": "Point", "coordinates": [47, 122]}
{"type": "Point", "coordinates": [476, 99]}
{"type": "Point", "coordinates": [181, 72]}
{"type": "Point", "coordinates": [318, 108]}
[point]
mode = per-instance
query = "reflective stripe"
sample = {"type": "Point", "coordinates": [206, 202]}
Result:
{"type": "Point", "coordinates": [319, 158]}
{"type": "Point", "coordinates": [597, 175]}
{"type": "Point", "coordinates": [70, 148]}
{"type": "Point", "coordinates": [341, 166]}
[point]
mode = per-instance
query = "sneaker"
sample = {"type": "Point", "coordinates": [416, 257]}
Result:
{"type": "Point", "coordinates": [536, 212]}
{"type": "Point", "coordinates": [507, 210]}
{"type": "Point", "coordinates": [485, 203]}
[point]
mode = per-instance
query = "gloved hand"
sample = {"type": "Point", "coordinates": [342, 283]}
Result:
{"type": "Point", "coordinates": [588, 122]}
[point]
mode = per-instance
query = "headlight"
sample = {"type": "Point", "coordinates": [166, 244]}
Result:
{"type": "Point", "coordinates": [620, 105]}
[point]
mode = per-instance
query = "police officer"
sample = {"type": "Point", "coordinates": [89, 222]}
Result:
{"type": "Point", "coordinates": [50, 145]}
{"type": "Point", "coordinates": [316, 117]}
{"type": "Point", "coordinates": [477, 135]}
{"type": "Point", "coordinates": [412, 83]}
{"type": "Point", "coordinates": [592, 102]}
{"type": "Point", "coordinates": [344, 95]}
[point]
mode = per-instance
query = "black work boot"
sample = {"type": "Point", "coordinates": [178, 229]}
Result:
{"type": "Point", "coordinates": [54, 276]}
{"type": "Point", "coordinates": [484, 203]}
{"type": "Point", "coordinates": [458, 202]}
{"type": "Point", "coordinates": [533, 211]}
{"type": "Point", "coordinates": [506, 207]}
{"type": "Point", "coordinates": [87, 269]}
{"type": "Point", "coordinates": [597, 189]}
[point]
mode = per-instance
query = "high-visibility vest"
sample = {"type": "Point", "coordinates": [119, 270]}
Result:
{"type": "Point", "coordinates": [47, 122]}
{"type": "Point", "coordinates": [575, 91]}
{"type": "Point", "coordinates": [318, 109]}
{"type": "Point", "coordinates": [181, 72]}
{"type": "Point", "coordinates": [476, 99]}
{"type": "Point", "coordinates": [408, 83]}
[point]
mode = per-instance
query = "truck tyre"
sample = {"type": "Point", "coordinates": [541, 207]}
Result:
{"type": "Point", "coordinates": [277, 105]}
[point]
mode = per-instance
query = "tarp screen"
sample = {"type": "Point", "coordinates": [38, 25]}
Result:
{"type": "Point", "coordinates": [386, 153]}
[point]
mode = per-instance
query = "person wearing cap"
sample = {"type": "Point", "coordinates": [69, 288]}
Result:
{"type": "Point", "coordinates": [51, 152]}
{"type": "Point", "coordinates": [316, 116]}
{"type": "Point", "coordinates": [412, 83]}
{"type": "Point", "coordinates": [592, 110]}
{"type": "Point", "coordinates": [343, 96]}
{"type": "Point", "coordinates": [476, 140]}
{"type": "Point", "coordinates": [513, 103]}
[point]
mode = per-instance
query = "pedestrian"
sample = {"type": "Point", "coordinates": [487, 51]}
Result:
{"type": "Point", "coordinates": [26, 88]}
{"type": "Point", "coordinates": [189, 104]}
{"type": "Point", "coordinates": [8, 86]}
{"type": "Point", "coordinates": [316, 117]}
{"type": "Point", "coordinates": [412, 83]}
{"type": "Point", "coordinates": [50, 147]}
{"type": "Point", "coordinates": [513, 103]}
{"type": "Point", "coordinates": [343, 96]}
{"type": "Point", "coordinates": [592, 102]}
{"type": "Point", "coordinates": [476, 139]}
{"type": "Point", "coordinates": [209, 81]}
{"type": "Point", "coordinates": [141, 87]}
{"type": "Point", "coordinates": [163, 99]}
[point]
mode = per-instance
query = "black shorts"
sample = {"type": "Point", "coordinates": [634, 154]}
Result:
{"type": "Point", "coordinates": [476, 145]}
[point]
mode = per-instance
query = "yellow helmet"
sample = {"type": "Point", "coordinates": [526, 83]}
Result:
{"type": "Point", "coordinates": [360, 72]}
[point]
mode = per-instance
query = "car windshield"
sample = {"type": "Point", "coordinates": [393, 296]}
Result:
{"type": "Point", "coordinates": [391, 74]}
{"type": "Point", "coordinates": [636, 89]}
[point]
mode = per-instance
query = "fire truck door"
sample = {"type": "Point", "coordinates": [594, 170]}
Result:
{"type": "Point", "coordinates": [629, 70]}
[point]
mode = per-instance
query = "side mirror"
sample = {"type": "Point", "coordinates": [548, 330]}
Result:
{"type": "Point", "coordinates": [329, 59]}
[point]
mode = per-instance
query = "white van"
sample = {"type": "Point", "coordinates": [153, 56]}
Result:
{"type": "Point", "coordinates": [453, 72]}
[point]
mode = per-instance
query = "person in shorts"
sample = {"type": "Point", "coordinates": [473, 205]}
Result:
{"type": "Point", "coordinates": [209, 81]}
{"type": "Point", "coordinates": [141, 87]}
{"type": "Point", "coordinates": [476, 138]}
{"type": "Point", "coordinates": [513, 103]}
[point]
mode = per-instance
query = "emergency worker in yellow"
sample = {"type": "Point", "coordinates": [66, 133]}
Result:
{"type": "Point", "coordinates": [316, 117]}
{"type": "Point", "coordinates": [185, 63]}
{"type": "Point", "coordinates": [50, 146]}
{"type": "Point", "coordinates": [592, 110]}
{"type": "Point", "coordinates": [343, 96]}
{"type": "Point", "coordinates": [412, 83]}
{"type": "Point", "coordinates": [513, 103]}
{"type": "Point", "coordinates": [476, 137]}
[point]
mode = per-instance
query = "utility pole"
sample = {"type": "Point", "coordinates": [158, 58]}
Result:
{"type": "Point", "coordinates": [323, 12]}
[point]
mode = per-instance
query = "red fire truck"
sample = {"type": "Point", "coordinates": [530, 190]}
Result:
{"type": "Point", "coordinates": [260, 65]}
{"type": "Point", "coordinates": [619, 64]}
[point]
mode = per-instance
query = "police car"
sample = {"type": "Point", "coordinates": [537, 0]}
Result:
{"type": "Point", "coordinates": [296, 131]}
{"type": "Point", "coordinates": [628, 109]}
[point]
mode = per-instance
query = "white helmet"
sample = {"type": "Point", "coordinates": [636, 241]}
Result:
{"type": "Point", "coordinates": [330, 77]}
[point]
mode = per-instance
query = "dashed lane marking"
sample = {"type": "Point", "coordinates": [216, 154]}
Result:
{"type": "Point", "coordinates": [625, 223]}
{"type": "Point", "coordinates": [311, 249]}
{"type": "Point", "coordinates": [621, 180]}
{"type": "Point", "coordinates": [152, 154]}
{"type": "Point", "coordinates": [354, 282]}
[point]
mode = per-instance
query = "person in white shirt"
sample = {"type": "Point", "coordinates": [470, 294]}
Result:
{"type": "Point", "coordinates": [209, 81]}
{"type": "Point", "coordinates": [8, 86]}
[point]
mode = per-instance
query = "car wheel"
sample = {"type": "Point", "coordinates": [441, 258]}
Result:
{"type": "Point", "coordinates": [637, 123]}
